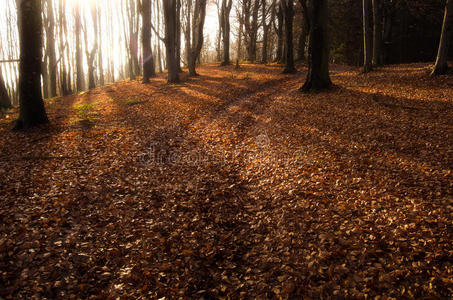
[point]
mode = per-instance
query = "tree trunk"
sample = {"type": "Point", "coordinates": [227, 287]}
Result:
{"type": "Point", "coordinates": [254, 32]}
{"type": "Point", "coordinates": [199, 15]}
{"type": "Point", "coordinates": [91, 55]}
{"type": "Point", "coordinates": [52, 63]}
{"type": "Point", "coordinates": [378, 58]}
{"type": "Point", "coordinates": [264, 12]}
{"type": "Point", "coordinates": [79, 68]}
{"type": "Point", "coordinates": [98, 42]}
{"type": "Point", "coordinates": [178, 35]}
{"type": "Point", "coordinates": [441, 65]}
{"type": "Point", "coordinates": [318, 61]}
{"type": "Point", "coordinates": [279, 56]}
{"type": "Point", "coordinates": [304, 32]}
{"type": "Point", "coordinates": [32, 111]}
{"type": "Point", "coordinates": [65, 83]}
{"type": "Point", "coordinates": [238, 54]}
{"type": "Point", "coordinates": [225, 12]}
{"type": "Point", "coordinates": [148, 60]}
{"type": "Point", "coordinates": [169, 7]}
{"type": "Point", "coordinates": [288, 11]}
{"type": "Point", "coordinates": [218, 41]}
{"type": "Point", "coordinates": [5, 102]}
{"type": "Point", "coordinates": [367, 37]}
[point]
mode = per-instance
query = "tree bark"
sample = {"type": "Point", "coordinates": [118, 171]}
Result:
{"type": "Point", "coordinates": [169, 7]}
{"type": "Point", "coordinates": [304, 32]}
{"type": "Point", "coordinates": [225, 14]}
{"type": "Point", "coordinates": [279, 54]}
{"type": "Point", "coordinates": [198, 18]}
{"type": "Point", "coordinates": [178, 35]}
{"type": "Point", "coordinates": [441, 65]}
{"type": "Point", "coordinates": [79, 69]}
{"type": "Point", "coordinates": [148, 59]}
{"type": "Point", "coordinates": [31, 111]}
{"type": "Point", "coordinates": [5, 101]}
{"type": "Point", "coordinates": [288, 12]}
{"type": "Point", "coordinates": [98, 42]}
{"type": "Point", "coordinates": [52, 63]}
{"type": "Point", "coordinates": [65, 79]}
{"type": "Point", "coordinates": [91, 55]}
{"type": "Point", "coordinates": [238, 54]}
{"type": "Point", "coordinates": [367, 36]}
{"type": "Point", "coordinates": [378, 58]}
{"type": "Point", "coordinates": [318, 61]}
{"type": "Point", "coordinates": [265, 11]}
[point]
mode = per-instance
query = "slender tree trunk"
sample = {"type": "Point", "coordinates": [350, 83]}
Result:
{"type": "Point", "coordinates": [148, 60]}
{"type": "Point", "coordinates": [159, 52]}
{"type": "Point", "coordinates": [304, 32]}
{"type": "Point", "coordinates": [98, 42]}
{"type": "Point", "coordinates": [32, 111]}
{"type": "Point", "coordinates": [5, 102]}
{"type": "Point", "coordinates": [441, 65]}
{"type": "Point", "coordinates": [367, 37]}
{"type": "Point", "coordinates": [377, 33]}
{"type": "Point", "coordinates": [265, 31]}
{"type": "Point", "coordinates": [79, 69]}
{"type": "Point", "coordinates": [318, 61]}
{"type": "Point", "coordinates": [238, 54]}
{"type": "Point", "coordinates": [279, 56]}
{"type": "Point", "coordinates": [178, 35]}
{"type": "Point", "coordinates": [198, 19]}
{"type": "Point", "coordinates": [288, 11]}
{"type": "Point", "coordinates": [218, 47]}
{"type": "Point", "coordinates": [91, 55]}
{"type": "Point", "coordinates": [51, 50]}
{"type": "Point", "coordinates": [64, 88]}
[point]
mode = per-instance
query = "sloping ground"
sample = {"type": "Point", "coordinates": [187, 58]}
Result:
{"type": "Point", "coordinates": [234, 185]}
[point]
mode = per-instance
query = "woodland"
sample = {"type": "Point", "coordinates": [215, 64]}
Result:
{"type": "Point", "coordinates": [226, 149]}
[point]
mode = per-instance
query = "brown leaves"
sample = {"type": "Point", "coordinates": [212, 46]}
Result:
{"type": "Point", "coordinates": [221, 187]}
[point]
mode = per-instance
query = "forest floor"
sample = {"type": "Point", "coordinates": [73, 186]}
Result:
{"type": "Point", "coordinates": [234, 185]}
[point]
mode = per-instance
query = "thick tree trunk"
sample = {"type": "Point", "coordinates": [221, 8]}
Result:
{"type": "Point", "coordinates": [225, 12]}
{"type": "Point", "coordinates": [367, 36]}
{"type": "Point", "coordinates": [169, 7]}
{"type": "Point", "coordinates": [288, 11]}
{"type": "Point", "coordinates": [441, 65]}
{"type": "Point", "coordinates": [254, 32]}
{"type": "Point", "coordinates": [32, 111]}
{"type": "Point", "coordinates": [318, 61]}
{"type": "Point", "coordinates": [378, 58]}
{"type": "Point", "coordinates": [148, 60]}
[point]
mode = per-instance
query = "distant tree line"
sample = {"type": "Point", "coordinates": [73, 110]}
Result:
{"type": "Point", "coordinates": [69, 48]}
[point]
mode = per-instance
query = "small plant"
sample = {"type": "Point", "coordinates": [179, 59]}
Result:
{"type": "Point", "coordinates": [85, 111]}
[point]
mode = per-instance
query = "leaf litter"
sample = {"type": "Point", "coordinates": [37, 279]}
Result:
{"type": "Point", "coordinates": [234, 185]}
